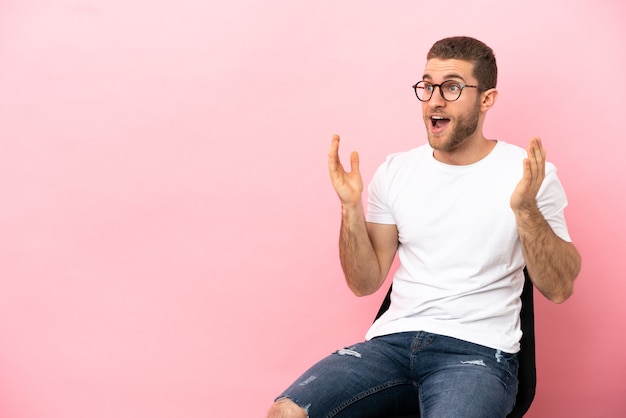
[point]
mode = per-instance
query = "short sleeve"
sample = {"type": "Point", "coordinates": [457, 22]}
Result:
{"type": "Point", "coordinates": [378, 206]}
{"type": "Point", "coordinates": [552, 202]}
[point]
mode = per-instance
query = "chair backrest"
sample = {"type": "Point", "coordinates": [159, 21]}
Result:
{"type": "Point", "coordinates": [527, 373]}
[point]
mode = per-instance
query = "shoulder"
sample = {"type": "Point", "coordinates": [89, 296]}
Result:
{"type": "Point", "coordinates": [399, 165]}
{"type": "Point", "coordinates": [511, 152]}
{"type": "Point", "coordinates": [407, 158]}
{"type": "Point", "coordinates": [507, 150]}
{"type": "Point", "coordinates": [517, 152]}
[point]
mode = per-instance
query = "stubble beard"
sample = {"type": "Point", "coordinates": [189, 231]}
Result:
{"type": "Point", "coordinates": [465, 127]}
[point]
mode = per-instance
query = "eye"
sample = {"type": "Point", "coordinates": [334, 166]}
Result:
{"type": "Point", "coordinates": [428, 87]}
{"type": "Point", "coordinates": [453, 86]}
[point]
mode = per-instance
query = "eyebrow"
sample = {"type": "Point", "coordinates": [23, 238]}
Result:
{"type": "Point", "coordinates": [446, 77]}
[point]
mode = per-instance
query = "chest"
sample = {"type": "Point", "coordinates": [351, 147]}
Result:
{"type": "Point", "coordinates": [438, 206]}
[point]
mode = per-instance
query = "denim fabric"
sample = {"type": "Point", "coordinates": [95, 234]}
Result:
{"type": "Point", "coordinates": [440, 376]}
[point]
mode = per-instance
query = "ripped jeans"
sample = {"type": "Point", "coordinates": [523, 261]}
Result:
{"type": "Point", "coordinates": [409, 372]}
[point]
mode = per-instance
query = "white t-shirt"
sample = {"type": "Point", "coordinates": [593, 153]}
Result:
{"type": "Point", "coordinates": [461, 262]}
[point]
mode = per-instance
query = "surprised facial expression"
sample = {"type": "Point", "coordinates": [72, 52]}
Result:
{"type": "Point", "coordinates": [449, 124]}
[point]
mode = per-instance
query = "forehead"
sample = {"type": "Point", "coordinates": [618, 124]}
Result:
{"type": "Point", "coordinates": [440, 69]}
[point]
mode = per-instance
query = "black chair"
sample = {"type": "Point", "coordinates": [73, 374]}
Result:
{"type": "Point", "coordinates": [527, 373]}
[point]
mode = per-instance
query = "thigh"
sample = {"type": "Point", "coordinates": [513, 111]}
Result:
{"type": "Point", "coordinates": [468, 380]}
{"type": "Point", "coordinates": [361, 380]}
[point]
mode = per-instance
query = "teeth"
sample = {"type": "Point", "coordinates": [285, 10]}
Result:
{"type": "Point", "coordinates": [436, 119]}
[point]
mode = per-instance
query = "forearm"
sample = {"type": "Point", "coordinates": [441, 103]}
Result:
{"type": "Point", "coordinates": [552, 263]}
{"type": "Point", "coordinates": [358, 258]}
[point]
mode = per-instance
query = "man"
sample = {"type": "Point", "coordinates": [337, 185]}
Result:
{"type": "Point", "coordinates": [465, 214]}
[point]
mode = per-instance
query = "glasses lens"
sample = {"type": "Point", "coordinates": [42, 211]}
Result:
{"type": "Point", "coordinates": [451, 90]}
{"type": "Point", "coordinates": [423, 90]}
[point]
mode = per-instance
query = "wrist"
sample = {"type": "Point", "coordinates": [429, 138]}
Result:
{"type": "Point", "coordinates": [529, 219]}
{"type": "Point", "coordinates": [527, 212]}
{"type": "Point", "coordinates": [348, 210]}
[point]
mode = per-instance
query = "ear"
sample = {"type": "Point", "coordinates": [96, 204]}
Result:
{"type": "Point", "coordinates": [488, 99]}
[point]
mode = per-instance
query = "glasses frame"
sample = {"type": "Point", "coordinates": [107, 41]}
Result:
{"type": "Point", "coordinates": [461, 85]}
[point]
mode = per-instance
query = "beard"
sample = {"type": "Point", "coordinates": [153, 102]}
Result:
{"type": "Point", "coordinates": [465, 126]}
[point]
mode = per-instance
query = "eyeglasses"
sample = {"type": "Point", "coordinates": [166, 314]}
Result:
{"type": "Point", "coordinates": [450, 90]}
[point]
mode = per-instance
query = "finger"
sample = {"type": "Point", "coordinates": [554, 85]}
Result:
{"type": "Point", "coordinates": [333, 154]}
{"type": "Point", "coordinates": [539, 159]}
{"type": "Point", "coordinates": [334, 144]}
{"type": "Point", "coordinates": [537, 148]}
{"type": "Point", "coordinates": [334, 147]}
{"type": "Point", "coordinates": [533, 155]}
{"type": "Point", "coordinates": [527, 177]}
{"type": "Point", "coordinates": [354, 162]}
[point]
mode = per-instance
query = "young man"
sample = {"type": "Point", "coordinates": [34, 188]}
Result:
{"type": "Point", "coordinates": [465, 214]}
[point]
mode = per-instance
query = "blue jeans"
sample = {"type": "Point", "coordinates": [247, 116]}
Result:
{"type": "Point", "coordinates": [409, 372]}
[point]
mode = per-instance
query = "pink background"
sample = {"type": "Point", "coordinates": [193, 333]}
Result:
{"type": "Point", "coordinates": [168, 232]}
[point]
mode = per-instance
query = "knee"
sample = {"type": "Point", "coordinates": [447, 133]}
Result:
{"type": "Point", "coordinates": [286, 408]}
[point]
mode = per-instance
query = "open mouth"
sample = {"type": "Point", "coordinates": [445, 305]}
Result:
{"type": "Point", "coordinates": [439, 123]}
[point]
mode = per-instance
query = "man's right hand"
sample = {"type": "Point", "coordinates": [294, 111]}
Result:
{"type": "Point", "coordinates": [348, 185]}
{"type": "Point", "coordinates": [366, 250]}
